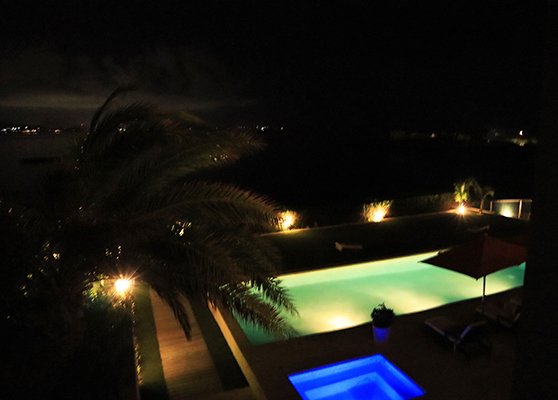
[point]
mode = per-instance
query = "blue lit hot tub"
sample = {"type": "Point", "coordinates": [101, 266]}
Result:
{"type": "Point", "coordinates": [372, 377]}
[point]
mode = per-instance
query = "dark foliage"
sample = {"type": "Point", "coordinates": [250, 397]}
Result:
{"type": "Point", "coordinates": [133, 202]}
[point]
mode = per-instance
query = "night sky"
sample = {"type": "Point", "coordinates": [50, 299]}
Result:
{"type": "Point", "coordinates": [351, 66]}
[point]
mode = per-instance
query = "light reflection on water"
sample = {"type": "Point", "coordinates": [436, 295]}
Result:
{"type": "Point", "coordinates": [337, 298]}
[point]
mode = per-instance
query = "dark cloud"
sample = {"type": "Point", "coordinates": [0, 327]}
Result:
{"type": "Point", "coordinates": [397, 64]}
{"type": "Point", "coordinates": [42, 79]}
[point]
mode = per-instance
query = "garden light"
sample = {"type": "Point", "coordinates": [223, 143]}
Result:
{"type": "Point", "coordinates": [122, 286]}
{"type": "Point", "coordinates": [287, 219]}
{"type": "Point", "coordinates": [376, 212]}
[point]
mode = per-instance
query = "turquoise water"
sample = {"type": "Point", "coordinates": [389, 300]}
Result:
{"type": "Point", "coordinates": [342, 297]}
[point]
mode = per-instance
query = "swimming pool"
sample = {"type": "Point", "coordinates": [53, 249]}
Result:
{"type": "Point", "coordinates": [342, 297]}
{"type": "Point", "coordinates": [371, 377]}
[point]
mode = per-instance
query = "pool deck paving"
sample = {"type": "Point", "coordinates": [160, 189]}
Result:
{"type": "Point", "coordinates": [417, 350]}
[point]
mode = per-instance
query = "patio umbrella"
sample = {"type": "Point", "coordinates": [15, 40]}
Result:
{"type": "Point", "coordinates": [480, 257]}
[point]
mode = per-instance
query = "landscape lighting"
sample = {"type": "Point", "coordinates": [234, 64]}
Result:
{"type": "Point", "coordinates": [122, 286]}
{"type": "Point", "coordinates": [287, 219]}
{"type": "Point", "coordinates": [377, 211]}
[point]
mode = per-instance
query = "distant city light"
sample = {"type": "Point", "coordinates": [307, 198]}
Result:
{"type": "Point", "coordinates": [31, 130]}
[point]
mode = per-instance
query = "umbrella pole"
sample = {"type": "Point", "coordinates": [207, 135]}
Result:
{"type": "Point", "coordinates": [483, 291]}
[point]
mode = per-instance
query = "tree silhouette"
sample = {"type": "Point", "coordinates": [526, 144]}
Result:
{"type": "Point", "coordinates": [470, 189]}
{"type": "Point", "coordinates": [134, 202]}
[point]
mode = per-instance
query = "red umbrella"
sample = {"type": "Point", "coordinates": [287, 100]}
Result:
{"type": "Point", "coordinates": [480, 257]}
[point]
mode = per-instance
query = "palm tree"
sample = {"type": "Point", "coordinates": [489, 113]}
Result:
{"type": "Point", "coordinates": [134, 201]}
{"type": "Point", "coordinates": [142, 206]}
{"type": "Point", "coordinates": [464, 191]}
{"type": "Point", "coordinates": [460, 192]}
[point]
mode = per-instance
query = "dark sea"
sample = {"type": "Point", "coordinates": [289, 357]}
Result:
{"type": "Point", "coordinates": [327, 179]}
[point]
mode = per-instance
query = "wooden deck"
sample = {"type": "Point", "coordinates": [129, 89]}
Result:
{"type": "Point", "coordinates": [187, 365]}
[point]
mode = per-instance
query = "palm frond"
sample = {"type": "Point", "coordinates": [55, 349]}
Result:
{"type": "Point", "coordinates": [137, 186]}
{"type": "Point", "coordinates": [117, 92]}
{"type": "Point", "coordinates": [212, 204]}
{"type": "Point", "coordinates": [198, 263]}
{"type": "Point", "coordinates": [173, 300]}
{"type": "Point", "coordinates": [272, 291]}
{"type": "Point", "coordinates": [248, 305]}
{"type": "Point", "coordinates": [176, 159]}
{"type": "Point", "coordinates": [113, 128]}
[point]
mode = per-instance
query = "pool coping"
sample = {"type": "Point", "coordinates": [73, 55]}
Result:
{"type": "Point", "coordinates": [310, 249]}
{"type": "Point", "coordinates": [304, 352]}
{"type": "Point", "coordinates": [267, 366]}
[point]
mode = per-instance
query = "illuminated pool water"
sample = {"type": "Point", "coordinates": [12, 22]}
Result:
{"type": "Point", "coordinates": [342, 297]}
{"type": "Point", "coordinates": [372, 377]}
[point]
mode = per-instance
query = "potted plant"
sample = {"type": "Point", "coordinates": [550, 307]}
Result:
{"type": "Point", "coordinates": [382, 318]}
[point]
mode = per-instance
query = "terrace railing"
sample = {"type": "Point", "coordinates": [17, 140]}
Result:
{"type": "Point", "coordinates": [512, 208]}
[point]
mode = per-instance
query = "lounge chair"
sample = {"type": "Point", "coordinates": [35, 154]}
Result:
{"type": "Point", "coordinates": [458, 334]}
{"type": "Point", "coordinates": [506, 314]}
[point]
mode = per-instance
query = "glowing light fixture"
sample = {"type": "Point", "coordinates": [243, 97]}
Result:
{"type": "Point", "coordinates": [287, 219]}
{"type": "Point", "coordinates": [122, 286]}
{"type": "Point", "coordinates": [376, 212]}
{"type": "Point", "coordinates": [461, 210]}
{"type": "Point", "coordinates": [379, 214]}
{"type": "Point", "coordinates": [341, 322]}
{"type": "Point", "coordinates": [507, 211]}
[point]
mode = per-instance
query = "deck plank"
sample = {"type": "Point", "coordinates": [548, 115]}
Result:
{"type": "Point", "coordinates": [187, 365]}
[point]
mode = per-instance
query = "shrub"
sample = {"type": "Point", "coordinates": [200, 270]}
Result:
{"type": "Point", "coordinates": [382, 317]}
